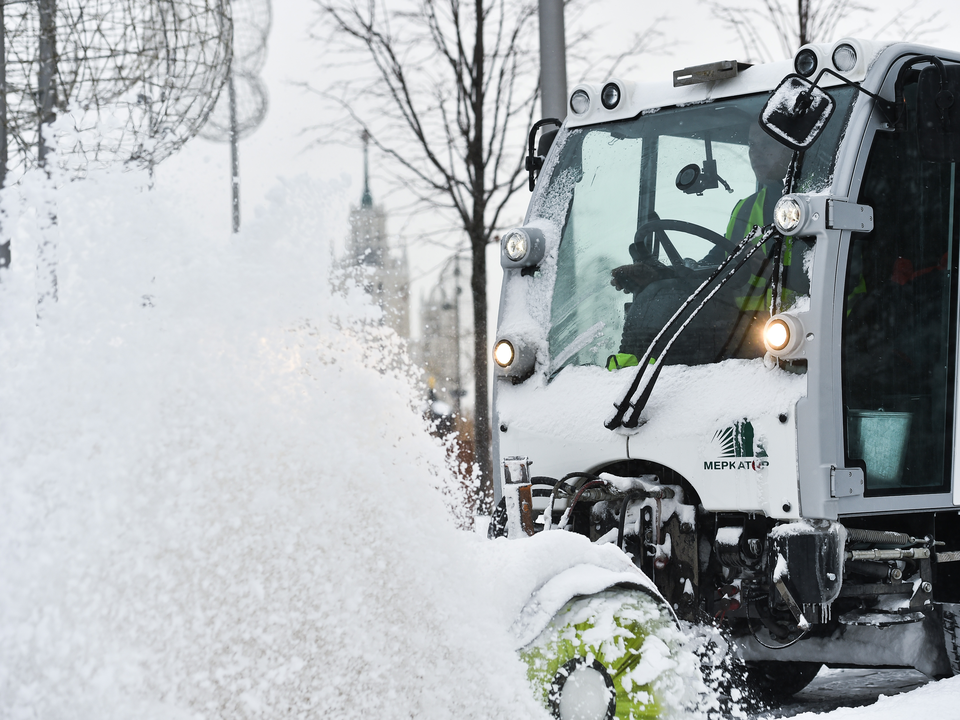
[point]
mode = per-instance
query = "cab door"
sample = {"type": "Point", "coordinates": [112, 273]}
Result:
{"type": "Point", "coordinates": [899, 328]}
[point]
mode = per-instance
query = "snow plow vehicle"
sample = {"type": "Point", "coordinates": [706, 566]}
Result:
{"type": "Point", "coordinates": [728, 345]}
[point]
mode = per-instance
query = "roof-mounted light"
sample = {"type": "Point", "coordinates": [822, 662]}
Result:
{"type": "Point", "coordinates": [806, 62]}
{"type": "Point", "coordinates": [610, 95]}
{"type": "Point", "coordinates": [844, 57]}
{"type": "Point", "coordinates": [580, 101]}
{"type": "Point", "coordinates": [850, 57]}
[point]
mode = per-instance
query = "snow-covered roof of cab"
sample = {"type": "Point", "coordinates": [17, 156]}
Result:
{"type": "Point", "coordinates": [636, 98]}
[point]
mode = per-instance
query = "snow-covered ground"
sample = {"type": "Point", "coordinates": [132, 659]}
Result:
{"type": "Point", "coordinates": [217, 499]}
{"type": "Point", "coordinates": [867, 694]}
{"type": "Point", "coordinates": [847, 688]}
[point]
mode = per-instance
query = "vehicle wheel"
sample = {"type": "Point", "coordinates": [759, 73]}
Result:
{"type": "Point", "coordinates": [588, 662]}
{"type": "Point", "coordinates": [776, 682]}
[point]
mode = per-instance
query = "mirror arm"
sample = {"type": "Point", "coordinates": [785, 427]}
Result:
{"type": "Point", "coordinates": [534, 162]}
{"type": "Point", "coordinates": [899, 101]}
{"type": "Point", "coordinates": [886, 107]}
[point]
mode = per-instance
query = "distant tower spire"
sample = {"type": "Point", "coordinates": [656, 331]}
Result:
{"type": "Point", "coordinates": [366, 200]}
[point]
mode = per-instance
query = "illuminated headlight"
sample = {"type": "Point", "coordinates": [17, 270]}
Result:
{"type": "Point", "coordinates": [845, 57]}
{"type": "Point", "coordinates": [521, 247]}
{"type": "Point", "coordinates": [516, 244]}
{"type": "Point", "coordinates": [515, 359]}
{"type": "Point", "coordinates": [580, 102]}
{"type": "Point", "coordinates": [503, 353]}
{"type": "Point", "coordinates": [783, 335]}
{"type": "Point", "coordinates": [777, 335]}
{"type": "Point", "coordinates": [610, 96]}
{"type": "Point", "coordinates": [805, 63]}
{"type": "Point", "coordinates": [788, 214]}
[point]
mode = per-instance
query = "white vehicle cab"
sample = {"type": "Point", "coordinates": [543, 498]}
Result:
{"type": "Point", "coordinates": [727, 343]}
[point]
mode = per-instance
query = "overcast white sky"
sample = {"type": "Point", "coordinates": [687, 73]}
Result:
{"type": "Point", "coordinates": [279, 149]}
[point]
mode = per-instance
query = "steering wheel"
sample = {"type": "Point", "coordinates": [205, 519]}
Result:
{"type": "Point", "coordinates": [659, 227]}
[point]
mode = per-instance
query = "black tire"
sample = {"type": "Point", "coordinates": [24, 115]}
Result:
{"type": "Point", "coordinates": [776, 682]}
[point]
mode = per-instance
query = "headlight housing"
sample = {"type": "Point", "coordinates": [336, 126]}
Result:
{"type": "Point", "coordinates": [580, 101]}
{"type": "Point", "coordinates": [783, 335]}
{"type": "Point", "coordinates": [521, 247]}
{"type": "Point", "coordinates": [806, 62]}
{"type": "Point", "coordinates": [788, 214]}
{"type": "Point", "coordinates": [514, 358]}
{"type": "Point", "coordinates": [793, 214]}
{"type": "Point", "coordinates": [515, 245]}
{"type": "Point", "coordinates": [844, 57]}
{"type": "Point", "coordinates": [610, 95]}
{"type": "Point", "coordinates": [503, 353]}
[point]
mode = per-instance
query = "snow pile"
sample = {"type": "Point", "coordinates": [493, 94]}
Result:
{"type": "Point", "coordinates": [213, 504]}
{"type": "Point", "coordinates": [935, 700]}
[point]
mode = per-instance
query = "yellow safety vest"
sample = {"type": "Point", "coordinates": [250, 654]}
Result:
{"type": "Point", "coordinates": [749, 212]}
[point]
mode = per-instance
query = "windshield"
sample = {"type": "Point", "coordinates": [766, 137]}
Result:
{"type": "Point", "coordinates": [651, 207]}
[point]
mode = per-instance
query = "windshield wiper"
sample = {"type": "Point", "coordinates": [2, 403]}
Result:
{"type": "Point", "coordinates": [636, 397]}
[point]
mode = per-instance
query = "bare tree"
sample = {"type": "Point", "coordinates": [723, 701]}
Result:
{"type": "Point", "coordinates": [792, 25]}
{"type": "Point", "coordinates": [451, 90]}
{"type": "Point", "coordinates": [137, 78]}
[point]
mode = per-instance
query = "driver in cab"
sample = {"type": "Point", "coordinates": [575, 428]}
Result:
{"type": "Point", "coordinates": [721, 327]}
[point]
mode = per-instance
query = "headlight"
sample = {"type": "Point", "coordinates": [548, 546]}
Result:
{"type": "Point", "coordinates": [805, 63]}
{"type": "Point", "coordinates": [845, 57]}
{"type": "Point", "coordinates": [503, 353]}
{"type": "Point", "coordinates": [521, 248]}
{"type": "Point", "coordinates": [610, 96]}
{"type": "Point", "coordinates": [788, 214]}
{"type": "Point", "coordinates": [580, 102]}
{"type": "Point", "coordinates": [776, 335]}
{"type": "Point", "coordinates": [515, 245]}
{"type": "Point", "coordinates": [783, 335]}
{"type": "Point", "coordinates": [515, 359]}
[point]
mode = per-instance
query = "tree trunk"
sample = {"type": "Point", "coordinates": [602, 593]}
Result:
{"type": "Point", "coordinates": [803, 16]}
{"type": "Point", "coordinates": [478, 287]}
{"type": "Point", "coordinates": [478, 281]}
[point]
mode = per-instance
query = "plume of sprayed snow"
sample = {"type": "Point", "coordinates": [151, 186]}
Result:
{"type": "Point", "coordinates": [216, 496]}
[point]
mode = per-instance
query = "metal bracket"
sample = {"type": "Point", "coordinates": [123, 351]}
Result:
{"type": "Point", "coordinates": [795, 610]}
{"type": "Point", "coordinates": [711, 72]}
{"type": "Point", "coordinates": [846, 482]}
{"type": "Point", "coordinates": [517, 496]}
{"type": "Point", "coordinates": [923, 594]}
{"type": "Point", "coordinates": [849, 216]}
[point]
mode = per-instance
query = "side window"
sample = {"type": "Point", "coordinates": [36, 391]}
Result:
{"type": "Point", "coordinates": [587, 311]}
{"type": "Point", "coordinates": [899, 326]}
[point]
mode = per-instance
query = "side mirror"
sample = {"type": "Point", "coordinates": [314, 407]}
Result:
{"type": "Point", "coordinates": [938, 113]}
{"type": "Point", "coordinates": [796, 113]}
{"type": "Point", "coordinates": [534, 160]}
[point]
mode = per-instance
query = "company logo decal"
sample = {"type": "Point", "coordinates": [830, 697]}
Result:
{"type": "Point", "coordinates": [736, 448]}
